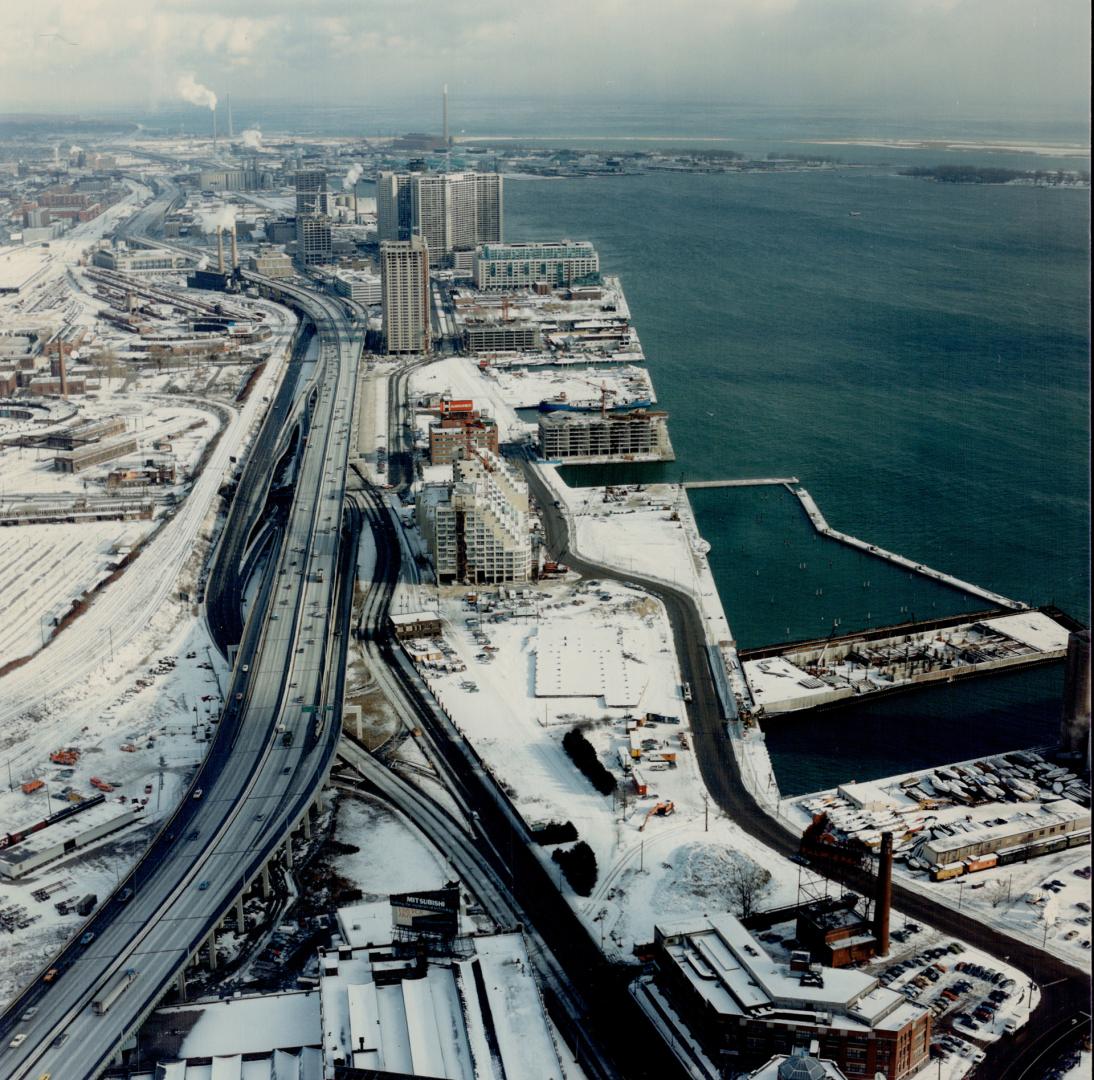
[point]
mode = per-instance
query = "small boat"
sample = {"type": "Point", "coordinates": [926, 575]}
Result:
{"type": "Point", "coordinates": [562, 404]}
{"type": "Point", "coordinates": [855, 213]}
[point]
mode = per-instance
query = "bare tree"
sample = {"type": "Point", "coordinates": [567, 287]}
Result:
{"type": "Point", "coordinates": [1000, 892]}
{"type": "Point", "coordinates": [747, 884]}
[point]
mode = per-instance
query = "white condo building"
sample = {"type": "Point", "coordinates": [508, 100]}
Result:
{"type": "Point", "coordinates": [404, 288]}
{"type": "Point", "coordinates": [520, 266]}
{"type": "Point", "coordinates": [477, 527]}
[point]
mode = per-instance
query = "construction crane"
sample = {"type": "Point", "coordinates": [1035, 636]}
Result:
{"type": "Point", "coordinates": [661, 809]}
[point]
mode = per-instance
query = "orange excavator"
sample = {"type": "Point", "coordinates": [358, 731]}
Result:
{"type": "Point", "coordinates": [662, 809]}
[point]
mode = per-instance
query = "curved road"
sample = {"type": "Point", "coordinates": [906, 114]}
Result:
{"type": "Point", "coordinates": [1065, 990]}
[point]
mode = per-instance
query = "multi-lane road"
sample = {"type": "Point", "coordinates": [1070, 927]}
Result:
{"type": "Point", "coordinates": [252, 788]}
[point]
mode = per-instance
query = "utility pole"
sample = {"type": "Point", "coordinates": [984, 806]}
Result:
{"type": "Point", "coordinates": [706, 813]}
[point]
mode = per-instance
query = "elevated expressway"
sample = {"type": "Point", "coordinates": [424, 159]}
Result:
{"type": "Point", "coordinates": [252, 791]}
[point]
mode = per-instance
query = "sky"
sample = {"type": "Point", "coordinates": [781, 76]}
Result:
{"type": "Point", "coordinates": [976, 57]}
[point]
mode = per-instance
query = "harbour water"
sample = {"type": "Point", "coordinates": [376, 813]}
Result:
{"type": "Point", "coordinates": [922, 367]}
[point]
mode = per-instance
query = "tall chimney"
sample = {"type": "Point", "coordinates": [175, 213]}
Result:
{"type": "Point", "coordinates": [883, 897]}
{"type": "Point", "coordinates": [62, 373]}
{"type": "Point", "coordinates": [1075, 727]}
{"type": "Point", "coordinates": [444, 109]}
{"type": "Point", "coordinates": [220, 249]}
{"type": "Point", "coordinates": [235, 249]}
{"type": "Point", "coordinates": [231, 133]}
{"type": "Point", "coordinates": [214, 112]}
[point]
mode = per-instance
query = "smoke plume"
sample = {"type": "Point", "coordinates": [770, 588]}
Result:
{"type": "Point", "coordinates": [352, 177]}
{"type": "Point", "coordinates": [224, 217]}
{"type": "Point", "coordinates": [192, 91]}
{"type": "Point", "coordinates": [252, 137]}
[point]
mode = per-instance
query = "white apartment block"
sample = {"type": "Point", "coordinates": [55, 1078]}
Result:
{"type": "Point", "coordinates": [477, 527]}
{"type": "Point", "coordinates": [404, 288]}
{"type": "Point", "coordinates": [520, 266]}
{"type": "Point", "coordinates": [452, 212]}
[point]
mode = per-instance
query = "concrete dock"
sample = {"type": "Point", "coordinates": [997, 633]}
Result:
{"type": "Point", "coordinates": [697, 485]}
{"type": "Point", "coordinates": [822, 526]}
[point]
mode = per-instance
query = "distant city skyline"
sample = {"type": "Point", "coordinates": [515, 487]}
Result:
{"type": "Point", "coordinates": [967, 57]}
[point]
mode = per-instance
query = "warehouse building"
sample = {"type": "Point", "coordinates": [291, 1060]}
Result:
{"type": "Point", "coordinates": [1054, 819]}
{"type": "Point", "coordinates": [74, 461]}
{"type": "Point", "coordinates": [718, 985]}
{"type": "Point", "coordinates": [501, 337]}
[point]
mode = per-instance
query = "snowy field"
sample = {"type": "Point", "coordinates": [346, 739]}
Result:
{"type": "Point", "coordinates": [459, 376]}
{"type": "Point", "coordinates": [679, 863]}
{"type": "Point", "coordinates": [162, 705]}
{"type": "Point", "coordinates": [525, 388]}
{"type": "Point", "coordinates": [43, 568]}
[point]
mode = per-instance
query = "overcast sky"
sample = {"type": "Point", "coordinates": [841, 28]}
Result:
{"type": "Point", "coordinates": [971, 57]}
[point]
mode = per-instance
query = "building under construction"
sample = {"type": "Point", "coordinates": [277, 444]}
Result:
{"type": "Point", "coordinates": [639, 435]}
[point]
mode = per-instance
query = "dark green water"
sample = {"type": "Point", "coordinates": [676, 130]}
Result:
{"type": "Point", "coordinates": [922, 368]}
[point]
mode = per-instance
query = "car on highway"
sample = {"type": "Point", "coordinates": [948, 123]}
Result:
{"type": "Point", "coordinates": [198, 794]}
{"type": "Point", "coordinates": [60, 1040]}
{"type": "Point", "coordinates": [50, 975]}
{"type": "Point", "coordinates": [29, 1014]}
{"type": "Point", "coordinates": [18, 1040]}
{"type": "Point", "coordinates": [203, 886]}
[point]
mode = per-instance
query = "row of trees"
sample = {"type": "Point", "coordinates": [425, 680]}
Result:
{"type": "Point", "coordinates": [583, 755]}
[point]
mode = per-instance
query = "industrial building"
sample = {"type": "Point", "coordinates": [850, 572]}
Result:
{"type": "Point", "coordinates": [271, 263]}
{"type": "Point", "coordinates": [387, 1011]}
{"type": "Point", "coordinates": [717, 982]}
{"type": "Point", "coordinates": [452, 212]}
{"type": "Point", "coordinates": [624, 436]}
{"type": "Point", "coordinates": [521, 266]}
{"type": "Point", "coordinates": [404, 278]}
{"type": "Point", "coordinates": [65, 838]}
{"type": "Point", "coordinates": [141, 260]}
{"type": "Point", "coordinates": [1024, 827]}
{"type": "Point", "coordinates": [358, 285]}
{"type": "Point", "coordinates": [414, 624]}
{"type": "Point", "coordinates": [454, 437]}
{"type": "Point", "coordinates": [74, 461]}
{"type": "Point", "coordinates": [477, 527]}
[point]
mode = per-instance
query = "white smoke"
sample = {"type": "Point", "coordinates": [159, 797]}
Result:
{"type": "Point", "coordinates": [354, 174]}
{"type": "Point", "coordinates": [203, 263]}
{"type": "Point", "coordinates": [252, 137]}
{"type": "Point", "coordinates": [224, 217]}
{"type": "Point", "coordinates": [74, 150]}
{"type": "Point", "coordinates": [192, 91]}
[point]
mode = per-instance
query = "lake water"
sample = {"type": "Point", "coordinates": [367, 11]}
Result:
{"type": "Point", "coordinates": [921, 367]}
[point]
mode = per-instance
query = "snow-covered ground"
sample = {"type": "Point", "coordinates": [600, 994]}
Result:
{"type": "Point", "coordinates": [525, 388]}
{"type": "Point", "coordinates": [678, 863]}
{"type": "Point", "coordinates": [43, 568]}
{"type": "Point", "coordinates": [160, 703]}
{"type": "Point", "coordinates": [459, 376]}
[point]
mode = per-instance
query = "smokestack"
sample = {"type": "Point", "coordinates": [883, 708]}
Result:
{"type": "Point", "coordinates": [231, 133]}
{"type": "Point", "coordinates": [62, 373]}
{"type": "Point", "coordinates": [355, 218]}
{"type": "Point", "coordinates": [235, 249]}
{"type": "Point", "coordinates": [444, 108]}
{"type": "Point", "coordinates": [883, 898]}
{"type": "Point", "coordinates": [220, 249]}
{"type": "Point", "coordinates": [1075, 728]}
{"type": "Point", "coordinates": [214, 112]}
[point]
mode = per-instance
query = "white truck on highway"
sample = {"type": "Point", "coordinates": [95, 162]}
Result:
{"type": "Point", "coordinates": [114, 990]}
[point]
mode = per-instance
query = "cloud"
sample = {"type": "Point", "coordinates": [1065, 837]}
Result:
{"type": "Point", "coordinates": [987, 54]}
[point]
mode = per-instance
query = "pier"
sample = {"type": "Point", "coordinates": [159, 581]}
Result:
{"type": "Point", "coordinates": [822, 526]}
{"type": "Point", "coordinates": [697, 485]}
